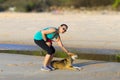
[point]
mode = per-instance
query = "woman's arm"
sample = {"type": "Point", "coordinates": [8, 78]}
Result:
{"type": "Point", "coordinates": [58, 40]}
{"type": "Point", "coordinates": [44, 32]}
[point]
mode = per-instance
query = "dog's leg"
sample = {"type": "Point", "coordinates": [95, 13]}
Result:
{"type": "Point", "coordinates": [71, 68]}
{"type": "Point", "coordinates": [78, 68]}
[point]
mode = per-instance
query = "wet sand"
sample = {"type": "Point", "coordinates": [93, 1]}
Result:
{"type": "Point", "coordinates": [25, 67]}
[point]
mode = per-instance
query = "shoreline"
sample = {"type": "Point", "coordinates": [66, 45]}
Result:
{"type": "Point", "coordinates": [59, 54]}
{"type": "Point", "coordinates": [25, 47]}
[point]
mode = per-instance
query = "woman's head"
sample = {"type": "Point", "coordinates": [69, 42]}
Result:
{"type": "Point", "coordinates": [63, 28]}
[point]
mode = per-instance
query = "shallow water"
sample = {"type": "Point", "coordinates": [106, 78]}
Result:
{"type": "Point", "coordinates": [83, 53]}
{"type": "Point", "coordinates": [17, 47]}
{"type": "Point", "coordinates": [78, 50]}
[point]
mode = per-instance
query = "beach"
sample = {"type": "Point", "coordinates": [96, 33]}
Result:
{"type": "Point", "coordinates": [25, 67]}
{"type": "Point", "coordinates": [86, 30]}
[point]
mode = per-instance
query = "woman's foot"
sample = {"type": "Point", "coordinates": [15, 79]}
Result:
{"type": "Point", "coordinates": [51, 68]}
{"type": "Point", "coordinates": [45, 68]}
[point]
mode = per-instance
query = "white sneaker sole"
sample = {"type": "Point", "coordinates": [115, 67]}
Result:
{"type": "Point", "coordinates": [45, 70]}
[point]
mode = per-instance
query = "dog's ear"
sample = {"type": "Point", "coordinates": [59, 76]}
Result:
{"type": "Point", "coordinates": [71, 54]}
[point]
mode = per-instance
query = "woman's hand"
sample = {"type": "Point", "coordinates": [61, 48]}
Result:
{"type": "Point", "coordinates": [49, 42]}
{"type": "Point", "coordinates": [70, 54]}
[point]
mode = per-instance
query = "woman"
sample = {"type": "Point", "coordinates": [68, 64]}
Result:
{"type": "Point", "coordinates": [44, 39]}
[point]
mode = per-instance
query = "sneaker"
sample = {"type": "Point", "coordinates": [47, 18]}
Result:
{"type": "Point", "coordinates": [45, 69]}
{"type": "Point", "coordinates": [51, 68]}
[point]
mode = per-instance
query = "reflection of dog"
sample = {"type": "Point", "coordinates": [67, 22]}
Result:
{"type": "Point", "coordinates": [65, 63]}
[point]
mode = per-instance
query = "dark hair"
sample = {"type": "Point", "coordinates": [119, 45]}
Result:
{"type": "Point", "coordinates": [64, 25]}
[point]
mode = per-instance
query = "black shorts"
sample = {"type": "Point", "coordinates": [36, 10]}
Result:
{"type": "Point", "coordinates": [41, 43]}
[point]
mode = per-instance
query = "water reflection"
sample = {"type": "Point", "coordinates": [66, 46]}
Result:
{"type": "Point", "coordinates": [78, 50]}
{"type": "Point", "coordinates": [17, 47]}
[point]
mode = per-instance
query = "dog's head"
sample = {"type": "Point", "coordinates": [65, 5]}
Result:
{"type": "Point", "coordinates": [73, 56]}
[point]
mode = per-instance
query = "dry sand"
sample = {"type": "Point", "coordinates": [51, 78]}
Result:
{"type": "Point", "coordinates": [86, 30]}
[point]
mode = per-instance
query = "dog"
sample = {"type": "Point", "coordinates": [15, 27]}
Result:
{"type": "Point", "coordinates": [65, 63]}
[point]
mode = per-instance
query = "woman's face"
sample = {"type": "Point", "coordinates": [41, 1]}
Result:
{"type": "Point", "coordinates": [62, 29]}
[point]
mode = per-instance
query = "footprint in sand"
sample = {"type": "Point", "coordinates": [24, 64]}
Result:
{"type": "Point", "coordinates": [27, 64]}
{"type": "Point", "coordinates": [117, 73]}
{"type": "Point", "coordinates": [1, 70]}
{"type": "Point", "coordinates": [12, 65]}
{"type": "Point", "coordinates": [22, 64]}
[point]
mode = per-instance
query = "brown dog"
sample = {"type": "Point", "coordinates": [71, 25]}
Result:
{"type": "Point", "coordinates": [65, 63]}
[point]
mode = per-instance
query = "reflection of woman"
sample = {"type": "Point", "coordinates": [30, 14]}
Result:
{"type": "Point", "coordinates": [44, 39]}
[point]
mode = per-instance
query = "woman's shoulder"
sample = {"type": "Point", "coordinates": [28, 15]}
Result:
{"type": "Point", "coordinates": [52, 28]}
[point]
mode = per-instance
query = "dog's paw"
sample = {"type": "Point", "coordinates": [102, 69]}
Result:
{"type": "Point", "coordinates": [78, 68]}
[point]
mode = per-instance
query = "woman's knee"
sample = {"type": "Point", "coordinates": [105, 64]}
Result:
{"type": "Point", "coordinates": [51, 51]}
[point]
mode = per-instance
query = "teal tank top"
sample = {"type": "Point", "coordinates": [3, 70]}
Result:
{"type": "Point", "coordinates": [38, 34]}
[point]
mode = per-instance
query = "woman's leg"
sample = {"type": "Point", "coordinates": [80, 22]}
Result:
{"type": "Point", "coordinates": [50, 51]}
{"type": "Point", "coordinates": [51, 57]}
{"type": "Point", "coordinates": [48, 57]}
{"type": "Point", "coordinates": [47, 60]}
